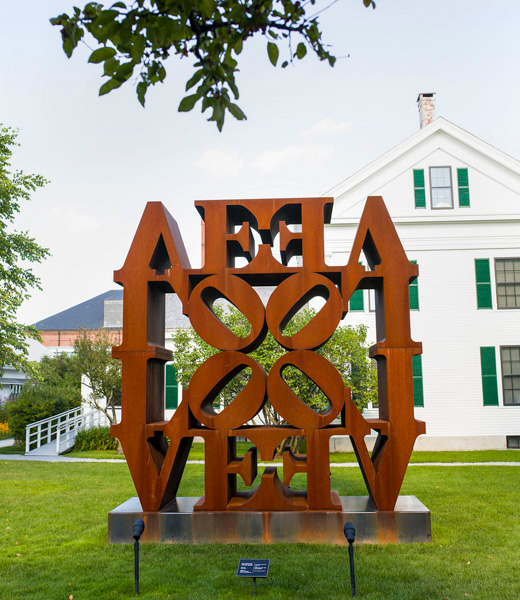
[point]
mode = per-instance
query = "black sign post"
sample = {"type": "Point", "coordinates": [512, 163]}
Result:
{"type": "Point", "coordinates": [253, 567]}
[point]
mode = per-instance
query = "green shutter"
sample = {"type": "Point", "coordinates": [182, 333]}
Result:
{"type": "Point", "coordinates": [414, 292]}
{"type": "Point", "coordinates": [483, 279]}
{"type": "Point", "coordinates": [462, 177]}
{"type": "Point", "coordinates": [357, 301]}
{"type": "Point", "coordinates": [418, 184]}
{"type": "Point", "coordinates": [418, 394]}
{"type": "Point", "coordinates": [171, 388]}
{"type": "Point", "coordinates": [488, 364]}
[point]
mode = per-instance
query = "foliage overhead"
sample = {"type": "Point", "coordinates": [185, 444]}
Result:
{"type": "Point", "coordinates": [346, 350]}
{"type": "Point", "coordinates": [102, 374]}
{"type": "Point", "coordinates": [137, 37]}
{"type": "Point", "coordinates": [17, 250]}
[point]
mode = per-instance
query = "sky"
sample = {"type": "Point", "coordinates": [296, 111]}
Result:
{"type": "Point", "coordinates": [309, 126]}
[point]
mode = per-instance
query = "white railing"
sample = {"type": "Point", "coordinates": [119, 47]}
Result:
{"type": "Point", "coordinates": [62, 429]}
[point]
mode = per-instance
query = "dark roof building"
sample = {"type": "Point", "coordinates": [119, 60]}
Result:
{"type": "Point", "coordinates": [90, 314]}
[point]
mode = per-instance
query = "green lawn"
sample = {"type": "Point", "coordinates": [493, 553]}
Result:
{"type": "Point", "coordinates": [197, 453]}
{"type": "Point", "coordinates": [54, 528]}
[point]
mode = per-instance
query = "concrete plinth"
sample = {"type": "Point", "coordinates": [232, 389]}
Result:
{"type": "Point", "coordinates": [178, 523]}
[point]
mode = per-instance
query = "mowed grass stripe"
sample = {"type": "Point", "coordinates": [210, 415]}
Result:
{"type": "Point", "coordinates": [54, 527]}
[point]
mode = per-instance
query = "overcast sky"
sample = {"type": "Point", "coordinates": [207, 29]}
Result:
{"type": "Point", "coordinates": [309, 126]}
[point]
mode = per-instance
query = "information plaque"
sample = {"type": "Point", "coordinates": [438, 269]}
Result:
{"type": "Point", "coordinates": [253, 567]}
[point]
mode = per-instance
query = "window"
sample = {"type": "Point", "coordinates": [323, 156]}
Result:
{"type": "Point", "coordinates": [510, 356]}
{"type": "Point", "coordinates": [507, 271]}
{"type": "Point", "coordinates": [483, 279]}
{"type": "Point", "coordinates": [16, 389]}
{"type": "Point", "coordinates": [372, 300]}
{"type": "Point", "coordinates": [513, 442]}
{"type": "Point", "coordinates": [440, 184]}
{"type": "Point", "coordinates": [462, 178]}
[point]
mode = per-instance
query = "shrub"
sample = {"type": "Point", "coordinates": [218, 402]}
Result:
{"type": "Point", "coordinates": [39, 401]}
{"type": "Point", "coordinates": [95, 438]}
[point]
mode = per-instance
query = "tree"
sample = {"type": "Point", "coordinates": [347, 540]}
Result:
{"type": "Point", "coordinates": [142, 34]}
{"type": "Point", "coordinates": [17, 249]}
{"type": "Point", "coordinates": [52, 390]}
{"type": "Point", "coordinates": [58, 370]}
{"type": "Point", "coordinates": [101, 373]}
{"type": "Point", "coordinates": [346, 350]}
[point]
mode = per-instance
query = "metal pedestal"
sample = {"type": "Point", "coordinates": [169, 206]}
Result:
{"type": "Point", "coordinates": [178, 523]}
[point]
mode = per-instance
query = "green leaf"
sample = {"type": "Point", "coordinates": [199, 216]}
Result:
{"type": "Point", "coordinates": [218, 115]}
{"type": "Point", "coordinates": [105, 17]}
{"type": "Point", "coordinates": [188, 103]}
{"type": "Point", "coordinates": [68, 47]}
{"type": "Point", "coordinates": [118, 5]}
{"type": "Point", "coordinates": [236, 111]}
{"type": "Point", "coordinates": [101, 54]}
{"type": "Point", "coordinates": [110, 67]}
{"type": "Point", "coordinates": [137, 48]}
{"type": "Point", "coordinates": [301, 50]}
{"type": "Point", "coordinates": [194, 79]}
{"type": "Point", "coordinates": [110, 85]}
{"type": "Point", "coordinates": [234, 88]}
{"type": "Point", "coordinates": [284, 64]}
{"type": "Point", "coordinates": [141, 92]}
{"type": "Point", "coordinates": [273, 53]}
{"type": "Point", "coordinates": [207, 102]}
{"type": "Point", "coordinates": [59, 20]}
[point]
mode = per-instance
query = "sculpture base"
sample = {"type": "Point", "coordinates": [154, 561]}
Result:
{"type": "Point", "coordinates": [178, 523]}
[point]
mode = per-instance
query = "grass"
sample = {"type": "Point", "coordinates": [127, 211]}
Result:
{"type": "Point", "coordinates": [54, 524]}
{"type": "Point", "coordinates": [18, 449]}
{"type": "Point", "coordinates": [111, 454]}
{"type": "Point", "coordinates": [197, 453]}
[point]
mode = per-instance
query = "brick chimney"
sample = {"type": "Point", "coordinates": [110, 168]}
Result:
{"type": "Point", "coordinates": [426, 106]}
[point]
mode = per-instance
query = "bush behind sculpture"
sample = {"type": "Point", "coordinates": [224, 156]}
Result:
{"type": "Point", "coordinates": [39, 401]}
{"type": "Point", "coordinates": [96, 438]}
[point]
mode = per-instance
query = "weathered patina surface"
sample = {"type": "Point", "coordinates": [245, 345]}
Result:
{"type": "Point", "coordinates": [157, 264]}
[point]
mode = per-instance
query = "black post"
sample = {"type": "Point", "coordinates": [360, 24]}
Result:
{"type": "Point", "coordinates": [136, 567]}
{"type": "Point", "coordinates": [138, 531]}
{"type": "Point", "coordinates": [352, 574]}
{"type": "Point", "coordinates": [254, 586]}
{"type": "Point", "coordinates": [350, 534]}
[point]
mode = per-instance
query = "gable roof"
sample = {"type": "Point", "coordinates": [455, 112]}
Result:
{"type": "Point", "coordinates": [440, 127]}
{"type": "Point", "coordinates": [89, 314]}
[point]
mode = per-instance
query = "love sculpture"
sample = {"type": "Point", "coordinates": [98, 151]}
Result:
{"type": "Point", "coordinates": [157, 264]}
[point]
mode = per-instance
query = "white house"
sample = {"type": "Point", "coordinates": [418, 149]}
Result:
{"type": "Point", "coordinates": [455, 201]}
{"type": "Point", "coordinates": [11, 382]}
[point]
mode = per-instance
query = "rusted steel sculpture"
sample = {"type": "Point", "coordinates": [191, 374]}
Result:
{"type": "Point", "coordinates": [157, 264]}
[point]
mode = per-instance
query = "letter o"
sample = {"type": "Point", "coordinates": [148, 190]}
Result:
{"type": "Point", "coordinates": [290, 296]}
{"type": "Point", "coordinates": [211, 377]}
{"type": "Point", "coordinates": [209, 326]}
{"type": "Point", "coordinates": [290, 406]}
